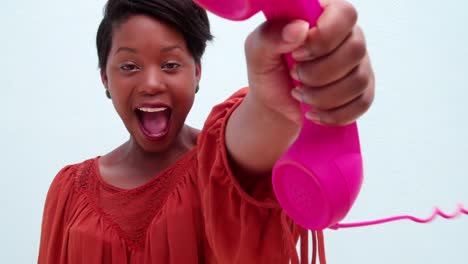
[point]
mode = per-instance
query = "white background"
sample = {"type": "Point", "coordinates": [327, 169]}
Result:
{"type": "Point", "coordinates": [414, 139]}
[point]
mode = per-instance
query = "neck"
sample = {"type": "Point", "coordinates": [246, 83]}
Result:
{"type": "Point", "coordinates": [131, 155]}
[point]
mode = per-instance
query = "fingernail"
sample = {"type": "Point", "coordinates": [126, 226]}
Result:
{"type": "Point", "coordinates": [301, 54]}
{"type": "Point", "coordinates": [296, 93]}
{"type": "Point", "coordinates": [295, 31]}
{"type": "Point", "coordinates": [313, 116]}
{"type": "Point", "coordinates": [294, 73]}
{"type": "Point", "coordinates": [307, 51]}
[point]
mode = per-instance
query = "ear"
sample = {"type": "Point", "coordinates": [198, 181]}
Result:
{"type": "Point", "coordinates": [198, 71]}
{"type": "Point", "coordinates": [104, 79]}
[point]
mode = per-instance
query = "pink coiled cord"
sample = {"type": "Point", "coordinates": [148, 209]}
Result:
{"type": "Point", "coordinates": [437, 212]}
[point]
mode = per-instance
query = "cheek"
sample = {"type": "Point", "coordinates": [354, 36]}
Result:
{"type": "Point", "coordinates": [120, 93]}
{"type": "Point", "coordinates": [120, 107]}
{"type": "Point", "coordinates": [186, 98]}
{"type": "Point", "coordinates": [120, 87]}
{"type": "Point", "coordinates": [184, 91]}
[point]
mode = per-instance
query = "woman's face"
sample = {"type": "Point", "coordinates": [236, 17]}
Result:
{"type": "Point", "coordinates": [151, 76]}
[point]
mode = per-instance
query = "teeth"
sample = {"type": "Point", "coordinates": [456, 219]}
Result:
{"type": "Point", "coordinates": [158, 135]}
{"type": "Point", "coordinates": [152, 109]}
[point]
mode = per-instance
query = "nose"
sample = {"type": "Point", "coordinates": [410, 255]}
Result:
{"type": "Point", "coordinates": [152, 81]}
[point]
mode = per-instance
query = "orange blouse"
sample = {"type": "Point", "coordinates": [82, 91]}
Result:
{"type": "Point", "coordinates": [193, 212]}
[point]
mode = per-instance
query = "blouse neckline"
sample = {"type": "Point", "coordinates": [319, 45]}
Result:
{"type": "Point", "coordinates": [155, 179]}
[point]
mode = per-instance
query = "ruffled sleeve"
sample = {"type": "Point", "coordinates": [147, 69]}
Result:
{"type": "Point", "coordinates": [244, 223]}
{"type": "Point", "coordinates": [55, 218]}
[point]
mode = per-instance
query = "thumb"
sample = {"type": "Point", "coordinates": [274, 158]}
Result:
{"type": "Point", "coordinates": [275, 38]}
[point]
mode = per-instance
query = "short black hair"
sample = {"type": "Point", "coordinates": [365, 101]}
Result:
{"type": "Point", "coordinates": [183, 15]}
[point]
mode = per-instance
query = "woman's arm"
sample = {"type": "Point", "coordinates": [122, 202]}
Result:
{"type": "Point", "coordinates": [336, 76]}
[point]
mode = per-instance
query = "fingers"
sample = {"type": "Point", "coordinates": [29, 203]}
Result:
{"type": "Point", "coordinates": [333, 27]}
{"type": "Point", "coordinates": [334, 66]}
{"type": "Point", "coordinates": [273, 39]}
{"type": "Point", "coordinates": [341, 102]}
{"type": "Point", "coordinates": [346, 114]}
{"type": "Point", "coordinates": [337, 93]}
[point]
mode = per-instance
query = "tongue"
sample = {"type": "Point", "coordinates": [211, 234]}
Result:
{"type": "Point", "coordinates": [155, 123]}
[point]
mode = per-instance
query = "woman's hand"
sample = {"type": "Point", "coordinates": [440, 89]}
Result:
{"type": "Point", "coordinates": [333, 67]}
{"type": "Point", "coordinates": [336, 76]}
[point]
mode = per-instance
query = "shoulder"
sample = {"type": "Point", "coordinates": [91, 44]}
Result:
{"type": "Point", "coordinates": [60, 205]}
{"type": "Point", "coordinates": [70, 177]}
{"type": "Point", "coordinates": [217, 119]}
{"type": "Point", "coordinates": [67, 186]}
{"type": "Point", "coordinates": [211, 139]}
{"type": "Point", "coordinates": [223, 110]}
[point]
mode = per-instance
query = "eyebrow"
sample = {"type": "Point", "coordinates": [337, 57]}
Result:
{"type": "Point", "coordinates": [132, 50]}
{"type": "Point", "coordinates": [170, 48]}
{"type": "Point", "coordinates": [125, 49]}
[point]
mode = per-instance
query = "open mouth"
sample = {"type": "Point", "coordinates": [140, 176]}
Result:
{"type": "Point", "coordinates": [154, 121]}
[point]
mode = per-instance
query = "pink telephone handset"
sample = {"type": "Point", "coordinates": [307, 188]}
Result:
{"type": "Point", "coordinates": [318, 178]}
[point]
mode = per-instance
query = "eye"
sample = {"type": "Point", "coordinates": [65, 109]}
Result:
{"type": "Point", "coordinates": [129, 67]}
{"type": "Point", "coordinates": [170, 66]}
